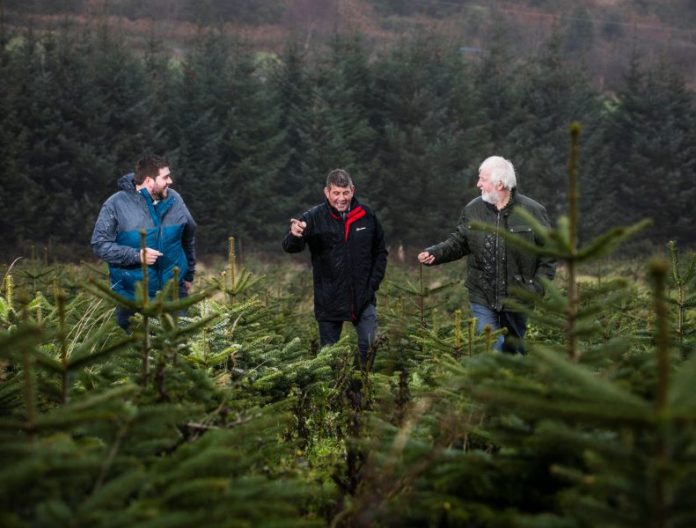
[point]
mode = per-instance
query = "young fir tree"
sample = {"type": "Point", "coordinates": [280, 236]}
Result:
{"type": "Point", "coordinates": [132, 446]}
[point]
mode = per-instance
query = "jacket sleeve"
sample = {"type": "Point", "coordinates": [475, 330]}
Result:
{"type": "Point", "coordinates": [546, 266]}
{"type": "Point", "coordinates": [379, 259]}
{"type": "Point", "coordinates": [293, 244]}
{"type": "Point", "coordinates": [104, 243]}
{"type": "Point", "coordinates": [455, 246]}
{"type": "Point", "coordinates": [188, 242]}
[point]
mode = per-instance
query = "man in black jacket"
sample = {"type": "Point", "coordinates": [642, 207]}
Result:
{"type": "Point", "coordinates": [349, 258]}
{"type": "Point", "coordinates": [494, 266]}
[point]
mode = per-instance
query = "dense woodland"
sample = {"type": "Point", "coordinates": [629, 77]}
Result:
{"type": "Point", "coordinates": [252, 134]}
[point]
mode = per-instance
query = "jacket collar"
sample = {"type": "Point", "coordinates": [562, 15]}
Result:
{"type": "Point", "coordinates": [336, 214]}
{"type": "Point", "coordinates": [508, 207]}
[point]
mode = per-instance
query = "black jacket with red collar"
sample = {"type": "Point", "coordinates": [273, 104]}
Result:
{"type": "Point", "coordinates": [349, 259]}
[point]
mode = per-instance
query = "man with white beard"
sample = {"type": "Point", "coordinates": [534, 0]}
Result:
{"type": "Point", "coordinates": [494, 265]}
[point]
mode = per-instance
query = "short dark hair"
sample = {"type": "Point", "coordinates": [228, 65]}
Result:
{"type": "Point", "coordinates": [149, 167]}
{"type": "Point", "coordinates": [338, 178]}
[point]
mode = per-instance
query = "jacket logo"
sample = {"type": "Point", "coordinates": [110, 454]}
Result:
{"type": "Point", "coordinates": [360, 228]}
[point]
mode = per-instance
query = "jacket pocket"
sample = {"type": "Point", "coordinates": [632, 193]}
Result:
{"type": "Point", "coordinates": [523, 231]}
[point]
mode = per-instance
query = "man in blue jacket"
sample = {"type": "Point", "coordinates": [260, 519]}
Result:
{"type": "Point", "coordinates": [145, 201]}
{"type": "Point", "coordinates": [349, 259]}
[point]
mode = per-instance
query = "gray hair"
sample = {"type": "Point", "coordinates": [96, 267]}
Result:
{"type": "Point", "coordinates": [501, 170]}
{"type": "Point", "coordinates": [338, 178]}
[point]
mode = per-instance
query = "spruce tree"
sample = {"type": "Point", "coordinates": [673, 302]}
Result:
{"type": "Point", "coordinates": [551, 97]}
{"type": "Point", "coordinates": [255, 208]}
{"type": "Point", "coordinates": [653, 153]}
{"type": "Point", "coordinates": [418, 184]}
{"type": "Point", "coordinates": [293, 87]}
{"type": "Point", "coordinates": [203, 98]}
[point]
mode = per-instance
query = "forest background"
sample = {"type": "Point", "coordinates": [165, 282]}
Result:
{"type": "Point", "coordinates": [254, 101]}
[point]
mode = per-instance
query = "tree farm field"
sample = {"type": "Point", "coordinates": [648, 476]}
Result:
{"type": "Point", "coordinates": [234, 416]}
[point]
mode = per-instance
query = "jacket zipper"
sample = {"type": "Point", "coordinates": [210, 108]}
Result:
{"type": "Point", "coordinates": [497, 261]}
{"type": "Point", "coordinates": [353, 304]}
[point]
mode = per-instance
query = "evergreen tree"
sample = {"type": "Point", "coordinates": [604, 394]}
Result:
{"type": "Point", "coordinates": [161, 75]}
{"type": "Point", "coordinates": [21, 197]}
{"type": "Point", "coordinates": [74, 92]}
{"type": "Point", "coordinates": [293, 87]}
{"type": "Point", "coordinates": [552, 95]}
{"type": "Point", "coordinates": [417, 175]}
{"type": "Point", "coordinates": [255, 208]}
{"type": "Point", "coordinates": [203, 99]}
{"type": "Point", "coordinates": [578, 36]}
{"type": "Point", "coordinates": [341, 135]}
{"type": "Point", "coordinates": [653, 156]}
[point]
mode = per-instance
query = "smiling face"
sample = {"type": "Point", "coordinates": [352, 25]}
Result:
{"type": "Point", "coordinates": [490, 192]}
{"type": "Point", "coordinates": [339, 197]}
{"type": "Point", "coordinates": [159, 187]}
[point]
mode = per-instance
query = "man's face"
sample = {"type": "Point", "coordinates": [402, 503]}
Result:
{"type": "Point", "coordinates": [161, 184]}
{"type": "Point", "coordinates": [490, 192]}
{"type": "Point", "coordinates": [339, 197]}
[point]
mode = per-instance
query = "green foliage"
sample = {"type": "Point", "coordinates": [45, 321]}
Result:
{"type": "Point", "coordinates": [683, 282]}
{"type": "Point", "coordinates": [242, 420]}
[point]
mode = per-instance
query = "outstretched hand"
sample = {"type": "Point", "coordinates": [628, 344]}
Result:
{"type": "Point", "coordinates": [424, 257]}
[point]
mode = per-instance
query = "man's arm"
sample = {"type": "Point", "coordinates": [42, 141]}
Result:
{"type": "Point", "coordinates": [454, 247]}
{"type": "Point", "coordinates": [104, 240]}
{"type": "Point", "coordinates": [295, 240]}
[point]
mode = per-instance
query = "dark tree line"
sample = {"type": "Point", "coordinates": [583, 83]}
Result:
{"type": "Point", "coordinates": [251, 135]}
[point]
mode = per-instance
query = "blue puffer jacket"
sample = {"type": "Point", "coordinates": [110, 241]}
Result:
{"type": "Point", "coordinates": [169, 228]}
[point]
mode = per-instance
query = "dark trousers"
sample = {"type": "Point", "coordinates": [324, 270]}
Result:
{"type": "Point", "coordinates": [365, 326]}
{"type": "Point", "coordinates": [515, 323]}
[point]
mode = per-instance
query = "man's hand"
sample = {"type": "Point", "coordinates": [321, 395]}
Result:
{"type": "Point", "coordinates": [297, 227]}
{"type": "Point", "coordinates": [188, 285]}
{"type": "Point", "coordinates": [425, 257]}
{"type": "Point", "coordinates": [150, 256]}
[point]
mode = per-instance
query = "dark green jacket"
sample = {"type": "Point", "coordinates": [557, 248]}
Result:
{"type": "Point", "coordinates": [493, 265]}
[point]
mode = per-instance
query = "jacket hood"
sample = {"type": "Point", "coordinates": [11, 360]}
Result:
{"type": "Point", "coordinates": [126, 183]}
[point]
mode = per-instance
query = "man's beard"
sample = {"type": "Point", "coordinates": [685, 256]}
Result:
{"type": "Point", "coordinates": [492, 197]}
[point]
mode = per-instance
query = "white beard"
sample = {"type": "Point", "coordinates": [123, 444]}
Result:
{"type": "Point", "coordinates": [492, 197]}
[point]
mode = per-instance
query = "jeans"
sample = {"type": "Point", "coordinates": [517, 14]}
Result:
{"type": "Point", "coordinates": [366, 328]}
{"type": "Point", "coordinates": [514, 322]}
